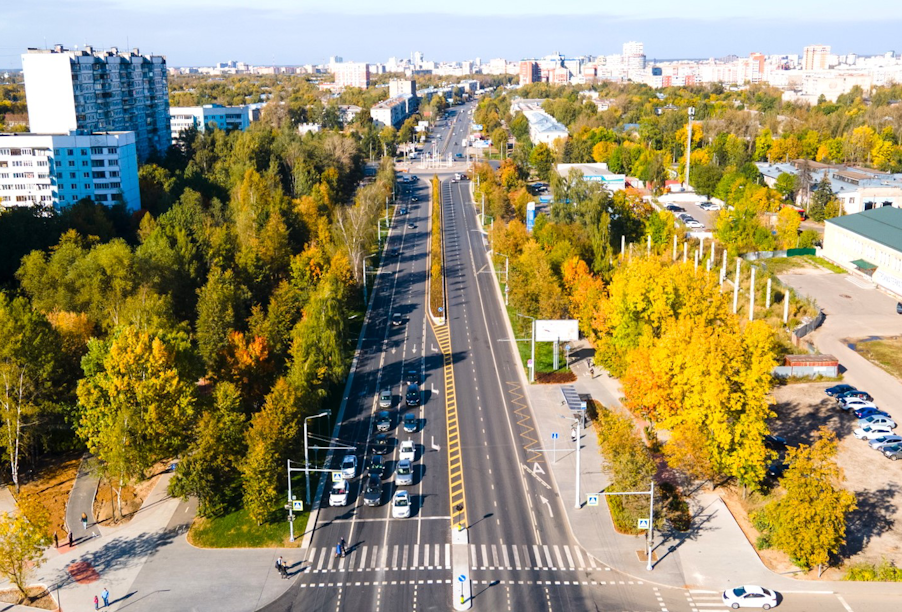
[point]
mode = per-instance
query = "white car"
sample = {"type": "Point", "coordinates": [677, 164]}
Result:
{"type": "Point", "coordinates": [875, 419]}
{"type": "Point", "coordinates": [879, 443]}
{"type": "Point", "coordinates": [408, 451]}
{"type": "Point", "coordinates": [872, 431]}
{"type": "Point", "coordinates": [694, 224]}
{"type": "Point", "coordinates": [339, 494]}
{"type": "Point", "coordinates": [750, 597]}
{"type": "Point", "coordinates": [855, 403]}
{"type": "Point", "coordinates": [349, 466]}
{"type": "Point", "coordinates": [400, 505]}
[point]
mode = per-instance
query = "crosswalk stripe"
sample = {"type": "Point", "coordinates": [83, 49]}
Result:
{"type": "Point", "coordinates": [474, 556]}
{"type": "Point", "coordinates": [383, 558]}
{"type": "Point", "coordinates": [394, 557]}
{"type": "Point", "coordinates": [592, 562]}
{"type": "Point", "coordinates": [494, 556]}
{"type": "Point", "coordinates": [331, 559]}
{"type": "Point", "coordinates": [507, 561]}
{"type": "Point", "coordinates": [535, 549]}
{"type": "Point", "coordinates": [362, 558]}
{"type": "Point", "coordinates": [404, 557]}
{"type": "Point", "coordinates": [485, 556]}
{"type": "Point", "coordinates": [557, 554]}
{"type": "Point", "coordinates": [569, 556]}
{"type": "Point", "coordinates": [579, 555]}
{"type": "Point", "coordinates": [438, 556]}
{"type": "Point", "coordinates": [416, 555]}
{"type": "Point", "coordinates": [322, 557]}
{"type": "Point", "coordinates": [516, 558]}
{"type": "Point", "coordinates": [447, 556]}
{"type": "Point", "coordinates": [548, 555]}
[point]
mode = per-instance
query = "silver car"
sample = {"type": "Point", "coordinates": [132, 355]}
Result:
{"type": "Point", "coordinates": [404, 474]}
{"type": "Point", "coordinates": [385, 398]}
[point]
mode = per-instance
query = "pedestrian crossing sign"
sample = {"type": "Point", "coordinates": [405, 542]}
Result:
{"type": "Point", "coordinates": [643, 523]}
{"type": "Point", "coordinates": [336, 477]}
{"type": "Point", "coordinates": [592, 501]}
{"type": "Point", "coordinates": [297, 505]}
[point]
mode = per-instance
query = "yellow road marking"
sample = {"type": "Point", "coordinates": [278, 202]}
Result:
{"type": "Point", "coordinates": [457, 493]}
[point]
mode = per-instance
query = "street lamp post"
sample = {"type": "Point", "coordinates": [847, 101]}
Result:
{"type": "Point", "coordinates": [306, 451]}
{"type": "Point", "coordinates": [689, 144]}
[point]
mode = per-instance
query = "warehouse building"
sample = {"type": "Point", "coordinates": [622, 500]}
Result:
{"type": "Point", "coordinates": [869, 242]}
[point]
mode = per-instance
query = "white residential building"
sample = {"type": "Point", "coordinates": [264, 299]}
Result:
{"type": "Point", "coordinates": [816, 57]}
{"type": "Point", "coordinates": [351, 74]}
{"type": "Point", "coordinates": [391, 112]}
{"type": "Point", "coordinates": [399, 87]}
{"type": "Point", "coordinates": [99, 92]}
{"type": "Point", "coordinates": [212, 116]}
{"type": "Point", "coordinates": [60, 169]}
{"type": "Point", "coordinates": [544, 128]}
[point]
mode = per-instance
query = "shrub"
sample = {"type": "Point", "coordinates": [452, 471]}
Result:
{"type": "Point", "coordinates": [868, 572]}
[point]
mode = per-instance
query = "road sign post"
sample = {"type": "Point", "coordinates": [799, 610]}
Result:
{"type": "Point", "coordinates": [554, 437]}
{"type": "Point", "coordinates": [592, 500]}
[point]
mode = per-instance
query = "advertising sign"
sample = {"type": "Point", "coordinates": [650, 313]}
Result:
{"type": "Point", "coordinates": [530, 216]}
{"type": "Point", "coordinates": [562, 329]}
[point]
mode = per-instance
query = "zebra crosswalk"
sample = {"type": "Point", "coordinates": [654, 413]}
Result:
{"type": "Point", "coordinates": [438, 557]}
{"type": "Point", "coordinates": [705, 601]}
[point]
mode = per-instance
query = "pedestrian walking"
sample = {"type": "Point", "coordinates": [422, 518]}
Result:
{"type": "Point", "coordinates": [344, 547]}
{"type": "Point", "coordinates": [283, 570]}
{"type": "Point", "coordinates": [71, 544]}
{"type": "Point", "coordinates": [84, 520]}
{"type": "Point", "coordinates": [279, 563]}
{"type": "Point", "coordinates": [592, 372]}
{"type": "Point", "coordinates": [573, 434]}
{"type": "Point", "coordinates": [56, 540]}
{"type": "Point", "coordinates": [96, 603]}
{"type": "Point", "coordinates": [105, 595]}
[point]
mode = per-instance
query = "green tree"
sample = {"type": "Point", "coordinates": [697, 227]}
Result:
{"type": "Point", "coordinates": [705, 178]}
{"type": "Point", "coordinates": [23, 537]}
{"type": "Point", "coordinates": [787, 184]}
{"type": "Point", "coordinates": [134, 406]}
{"type": "Point", "coordinates": [519, 126]}
{"type": "Point", "coordinates": [808, 522]}
{"type": "Point", "coordinates": [788, 221]}
{"type": "Point", "coordinates": [820, 199]}
{"type": "Point", "coordinates": [219, 312]}
{"type": "Point", "coordinates": [499, 140]}
{"type": "Point", "coordinates": [542, 159]}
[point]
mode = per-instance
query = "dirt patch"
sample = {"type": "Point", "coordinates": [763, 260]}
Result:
{"type": "Point", "coordinates": [51, 485]}
{"type": "Point", "coordinates": [133, 497]}
{"type": "Point", "coordinates": [42, 599]}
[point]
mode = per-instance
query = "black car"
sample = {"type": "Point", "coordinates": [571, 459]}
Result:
{"type": "Point", "coordinates": [383, 420]}
{"type": "Point", "coordinates": [775, 443]}
{"type": "Point", "coordinates": [899, 307]}
{"type": "Point", "coordinates": [837, 389]}
{"type": "Point", "coordinates": [412, 397]}
{"type": "Point", "coordinates": [675, 208]}
{"type": "Point", "coordinates": [372, 492]}
{"type": "Point", "coordinates": [396, 319]}
{"type": "Point", "coordinates": [410, 423]}
{"type": "Point", "coordinates": [377, 466]}
{"type": "Point", "coordinates": [775, 470]}
{"type": "Point", "coordinates": [394, 252]}
{"type": "Point", "coordinates": [382, 444]}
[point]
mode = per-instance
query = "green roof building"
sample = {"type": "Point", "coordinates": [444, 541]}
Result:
{"type": "Point", "coordinates": [868, 242]}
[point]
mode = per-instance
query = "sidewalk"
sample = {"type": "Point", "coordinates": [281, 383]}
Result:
{"type": "Point", "coordinates": [81, 500]}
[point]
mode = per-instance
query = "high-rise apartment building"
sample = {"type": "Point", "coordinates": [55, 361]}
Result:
{"type": "Point", "coordinates": [816, 57]}
{"type": "Point", "coordinates": [61, 169]}
{"type": "Point", "coordinates": [399, 87]}
{"type": "Point", "coordinates": [529, 72]}
{"type": "Point", "coordinates": [633, 57]}
{"type": "Point", "coordinates": [99, 91]}
{"type": "Point", "coordinates": [352, 74]}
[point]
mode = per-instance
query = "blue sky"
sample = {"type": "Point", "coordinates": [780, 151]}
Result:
{"type": "Point", "coordinates": [201, 32]}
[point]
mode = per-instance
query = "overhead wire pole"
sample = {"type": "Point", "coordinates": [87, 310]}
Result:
{"type": "Point", "coordinates": [689, 144]}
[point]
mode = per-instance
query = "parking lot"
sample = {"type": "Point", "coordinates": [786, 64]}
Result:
{"type": "Point", "coordinates": [690, 203]}
{"type": "Point", "coordinates": [875, 527]}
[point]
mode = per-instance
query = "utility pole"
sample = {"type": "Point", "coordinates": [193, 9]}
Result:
{"type": "Point", "coordinates": [689, 144]}
{"type": "Point", "coordinates": [736, 286]}
{"type": "Point", "coordinates": [306, 455]}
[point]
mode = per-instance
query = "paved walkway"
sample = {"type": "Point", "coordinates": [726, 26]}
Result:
{"type": "Point", "coordinates": [7, 501]}
{"type": "Point", "coordinates": [81, 500]}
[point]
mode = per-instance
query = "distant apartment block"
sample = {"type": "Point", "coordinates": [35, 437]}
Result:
{"type": "Point", "coordinates": [211, 117]}
{"type": "Point", "coordinates": [351, 74]}
{"type": "Point", "coordinates": [392, 112]}
{"type": "Point", "coordinates": [816, 57]}
{"type": "Point", "coordinates": [101, 91]}
{"type": "Point", "coordinates": [399, 87]}
{"type": "Point", "coordinates": [60, 169]}
{"type": "Point", "coordinates": [529, 72]}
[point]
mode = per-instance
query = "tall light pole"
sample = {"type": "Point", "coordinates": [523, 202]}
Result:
{"type": "Point", "coordinates": [306, 451]}
{"type": "Point", "coordinates": [689, 144]}
{"type": "Point", "coordinates": [532, 369]}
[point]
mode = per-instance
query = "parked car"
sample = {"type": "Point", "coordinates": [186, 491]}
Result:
{"type": "Point", "coordinates": [349, 466]}
{"type": "Point", "coordinates": [404, 474]}
{"type": "Point", "coordinates": [410, 422]}
{"type": "Point", "coordinates": [898, 307]}
{"type": "Point", "coordinates": [892, 451]}
{"type": "Point", "coordinates": [385, 398]}
{"type": "Point", "coordinates": [776, 468]}
{"type": "Point", "coordinates": [875, 419]}
{"type": "Point", "coordinates": [372, 493]}
{"type": "Point", "coordinates": [408, 451]}
{"type": "Point", "coordinates": [377, 466]}
{"type": "Point", "coordinates": [775, 443]}
{"type": "Point", "coordinates": [675, 208]}
{"type": "Point", "coordinates": [872, 431]}
{"type": "Point", "coordinates": [843, 397]}
{"type": "Point", "coordinates": [855, 403]}
{"type": "Point", "coordinates": [400, 505]}
{"type": "Point", "coordinates": [383, 420]}
{"type": "Point", "coordinates": [382, 444]}
{"type": "Point", "coordinates": [750, 596]}
{"type": "Point", "coordinates": [861, 413]}
{"type": "Point", "coordinates": [694, 224]}
{"type": "Point", "coordinates": [884, 441]}
{"type": "Point", "coordinates": [338, 496]}
{"type": "Point", "coordinates": [837, 389]}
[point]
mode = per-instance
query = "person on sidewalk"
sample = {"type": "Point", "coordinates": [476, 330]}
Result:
{"type": "Point", "coordinates": [71, 543]}
{"type": "Point", "coordinates": [283, 570]}
{"type": "Point", "coordinates": [279, 563]}
{"type": "Point", "coordinates": [56, 540]}
{"type": "Point", "coordinates": [84, 521]}
{"type": "Point", "coordinates": [96, 603]}
{"type": "Point", "coordinates": [573, 434]}
{"type": "Point", "coordinates": [105, 595]}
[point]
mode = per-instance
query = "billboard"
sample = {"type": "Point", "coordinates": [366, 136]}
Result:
{"type": "Point", "coordinates": [530, 216]}
{"type": "Point", "coordinates": [549, 330]}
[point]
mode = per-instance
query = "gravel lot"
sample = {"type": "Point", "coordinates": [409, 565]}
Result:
{"type": "Point", "coordinates": [875, 528]}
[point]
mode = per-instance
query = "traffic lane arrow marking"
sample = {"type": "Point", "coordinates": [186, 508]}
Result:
{"type": "Point", "coordinates": [547, 503]}
{"type": "Point", "coordinates": [534, 475]}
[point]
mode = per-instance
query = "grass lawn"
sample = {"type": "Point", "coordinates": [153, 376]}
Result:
{"type": "Point", "coordinates": [544, 350]}
{"type": "Point", "coordinates": [820, 261]}
{"type": "Point", "coordinates": [781, 265]}
{"type": "Point", "coordinates": [886, 353]}
{"type": "Point", "coordinates": [238, 530]}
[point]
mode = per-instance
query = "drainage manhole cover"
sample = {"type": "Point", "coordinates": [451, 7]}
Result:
{"type": "Point", "coordinates": [843, 295]}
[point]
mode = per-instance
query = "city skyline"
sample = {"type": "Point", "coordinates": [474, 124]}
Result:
{"type": "Point", "coordinates": [273, 33]}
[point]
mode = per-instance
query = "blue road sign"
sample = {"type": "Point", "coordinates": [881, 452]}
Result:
{"type": "Point", "coordinates": [554, 436]}
{"type": "Point", "coordinates": [643, 523]}
{"type": "Point", "coordinates": [297, 505]}
{"type": "Point", "coordinates": [461, 578]}
{"type": "Point", "coordinates": [592, 501]}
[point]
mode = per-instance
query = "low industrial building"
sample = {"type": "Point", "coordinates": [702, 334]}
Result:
{"type": "Point", "coordinates": [869, 242]}
{"type": "Point", "coordinates": [61, 169]}
{"type": "Point", "coordinates": [394, 111]}
{"type": "Point", "coordinates": [596, 173]}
